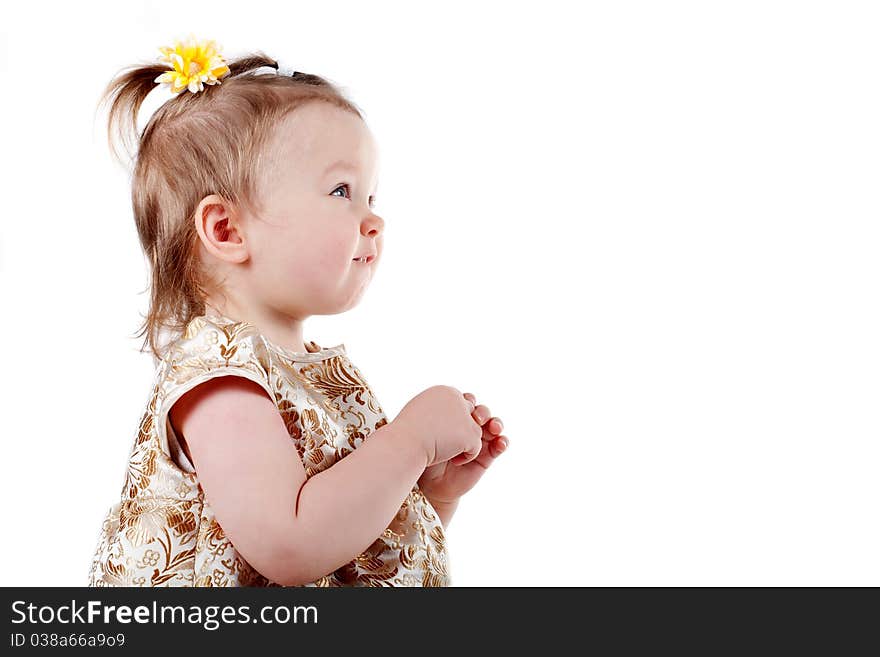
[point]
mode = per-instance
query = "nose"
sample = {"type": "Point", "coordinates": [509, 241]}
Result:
{"type": "Point", "coordinates": [372, 226]}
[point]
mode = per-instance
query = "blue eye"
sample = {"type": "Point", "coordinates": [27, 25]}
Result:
{"type": "Point", "coordinates": [348, 190]}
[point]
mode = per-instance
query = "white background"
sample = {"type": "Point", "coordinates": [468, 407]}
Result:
{"type": "Point", "coordinates": [644, 234]}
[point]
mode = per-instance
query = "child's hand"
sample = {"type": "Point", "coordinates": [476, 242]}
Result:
{"type": "Point", "coordinates": [444, 483]}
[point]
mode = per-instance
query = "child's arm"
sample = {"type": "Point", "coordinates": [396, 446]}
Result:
{"type": "Point", "coordinates": [291, 529]}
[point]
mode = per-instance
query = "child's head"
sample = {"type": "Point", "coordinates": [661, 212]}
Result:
{"type": "Point", "coordinates": [252, 197]}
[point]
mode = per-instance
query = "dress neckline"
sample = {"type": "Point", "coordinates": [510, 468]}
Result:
{"type": "Point", "coordinates": [320, 353]}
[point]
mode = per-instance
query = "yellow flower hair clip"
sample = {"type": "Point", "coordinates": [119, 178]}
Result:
{"type": "Point", "coordinates": [193, 65]}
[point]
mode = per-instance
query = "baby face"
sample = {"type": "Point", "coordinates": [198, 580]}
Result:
{"type": "Point", "coordinates": [318, 191]}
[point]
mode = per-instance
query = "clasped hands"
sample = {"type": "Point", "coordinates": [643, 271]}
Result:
{"type": "Point", "coordinates": [444, 483]}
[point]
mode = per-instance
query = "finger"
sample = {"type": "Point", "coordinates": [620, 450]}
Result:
{"type": "Point", "coordinates": [495, 425]}
{"type": "Point", "coordinates": [470, 454]}
{"type": "Point", "coordinates": [473, 400]}
{"type": "Point", "coordinates": [498, 442]}
{"type": "Point", "coordinates": [500, 445]}
{"type": "Point", "coordinates": [481, 414]}
{"type": "Point", "coordinates": [490, 436]}
{"type": "Point", "coordinates": [491, 450]}
{"type": "Point", "coordinates": [465, 457]}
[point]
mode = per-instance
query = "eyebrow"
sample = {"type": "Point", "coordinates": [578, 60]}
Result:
{"type": "Point", "coordinates": [344, 164]}
{"type": "Point", "coordinates": [340, 164]}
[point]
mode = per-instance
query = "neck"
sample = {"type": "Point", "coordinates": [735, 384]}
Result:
{"type": "Point", "coordinates": [280, 329]}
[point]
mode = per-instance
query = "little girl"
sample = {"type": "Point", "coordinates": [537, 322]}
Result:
{"type": "Point", "coordinates": [261, 459]}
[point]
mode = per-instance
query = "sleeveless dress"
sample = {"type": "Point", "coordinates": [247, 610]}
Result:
{"type": "Point", "coordinates": [162, 531]}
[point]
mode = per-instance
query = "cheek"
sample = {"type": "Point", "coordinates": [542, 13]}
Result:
{"type": "Point", "coordinates": [317, 259]}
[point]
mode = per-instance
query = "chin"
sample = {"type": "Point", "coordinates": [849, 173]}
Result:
{"type": "Point", "coordinates": [342, 307]}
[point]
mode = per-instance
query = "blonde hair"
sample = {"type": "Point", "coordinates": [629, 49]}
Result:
{"type": "Point", "coordinates": [194, 145]}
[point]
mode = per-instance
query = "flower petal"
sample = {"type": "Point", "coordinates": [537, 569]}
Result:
{"type": "Point", "coordinates": [193, 64]}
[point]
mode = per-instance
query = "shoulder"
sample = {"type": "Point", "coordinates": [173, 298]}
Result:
{"type": "Point", "coordinates": [213, 346]}
{"type": "Point", "coordinates": [209, 348]}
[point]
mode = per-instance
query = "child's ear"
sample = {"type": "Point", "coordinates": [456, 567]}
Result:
{"type": "Point", "coordinates": [219, 229]}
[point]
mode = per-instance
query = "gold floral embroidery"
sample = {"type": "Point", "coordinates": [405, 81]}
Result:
{"type": "Point", "coordinates": [291, 418]}
{"type": "Point", "coordinates": [163, 532]}
{"type": "Point", "coordinates": [143, 519]}
{"type": "Point", "coordinates": [334, 380]}
{"type": "Point", "coordinates": [146, 428]}
{"type": "Point", "coordinates": [141, 467]}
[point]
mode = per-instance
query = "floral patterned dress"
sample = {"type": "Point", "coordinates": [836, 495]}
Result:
{"type": "Point", "coordinates": [162, 531]}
